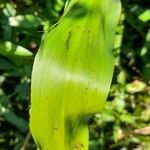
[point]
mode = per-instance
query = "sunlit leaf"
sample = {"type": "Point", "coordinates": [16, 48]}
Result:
{"type": "Point", "coordinates": [72, 74]}
{"type": "Point", "coordinates": [26, 21]}
{"type": "Point", "coordinates": [136, 86]}
{"type": "Point", "coordinates": [9, 10]}
{"type": "Point", "coordinates": [10, 49]}
{"type": "Point", "coordinates": [145, 16]}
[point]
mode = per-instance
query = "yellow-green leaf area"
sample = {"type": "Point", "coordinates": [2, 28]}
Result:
{"type": "Point", "coordinates": [72, 74]}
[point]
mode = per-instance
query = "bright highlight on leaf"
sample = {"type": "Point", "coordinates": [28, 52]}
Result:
{"type": "Point", "coordinates": [8, 48]}
{"type": "Point", "coordinates": [72, 74]}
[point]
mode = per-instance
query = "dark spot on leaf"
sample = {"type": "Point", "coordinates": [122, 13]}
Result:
{"type": "Point", "coordinates": [77, 11]}
{"type": "Point", "coordinates": [83, 29]}
{"type": "Point", "coordinates": [86, 89]}
{"type": "Point", "coordinates": [68, 40]}
{"type": "Point", "coordinates": [77, 146]}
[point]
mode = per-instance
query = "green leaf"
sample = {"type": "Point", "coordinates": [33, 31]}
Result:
{"type": "Point", "coordinates": [127, 118]}
{"type": "Point", "coordinates": [15, 120]}
{"type": "Point", "coordinates": [27, 21]}
{"type": "Point", "coordinates": [145, 16]}
{"type": "Point", "coordinates": [116, 130]}
{"type": "Point", "coordinates": [10, 49]}
{"type": "Point", "coordinates": [22, 91]}
{"type": "Point", "coordinates": [7, 113]}
{"type": "Point", "coordinates": [135, 86]}
{"type": "Point", "coordinates": [72, 74]}
{"type": "Point", "coordinates": [9, 10]}
{"type": "Point", "coordinates": [5, 65]}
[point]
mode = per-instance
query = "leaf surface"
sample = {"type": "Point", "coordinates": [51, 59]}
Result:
{"type": "Point", "coordinates": [72, 74]}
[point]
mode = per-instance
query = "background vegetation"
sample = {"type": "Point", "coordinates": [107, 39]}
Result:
{"type": "Point", "coordinates": [124, 124]}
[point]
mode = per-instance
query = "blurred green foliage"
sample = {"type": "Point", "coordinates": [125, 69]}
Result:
{"type": "Point", "coordinates": [124, 124]}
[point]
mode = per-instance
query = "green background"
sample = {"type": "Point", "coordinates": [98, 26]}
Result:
{"type": "Point", "coordinates": [127, 112]}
